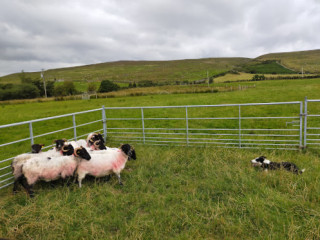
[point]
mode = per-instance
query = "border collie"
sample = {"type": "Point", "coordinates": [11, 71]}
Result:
{"type": "Point", "coordinates": [266, 164]}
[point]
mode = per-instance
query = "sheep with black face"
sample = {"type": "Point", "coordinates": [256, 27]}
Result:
{"type": "Point", "coordinates": [50, 168]}
{"type": "Point", "coordinates": [19, 160]}
{"type": "Point", "coordinates": [96, 141]}
{"type": "Point", "coordinates": [105, 162]}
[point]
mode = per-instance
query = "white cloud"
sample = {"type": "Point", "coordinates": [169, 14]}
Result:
{"type": "Point", "coordinates": [39, 34]}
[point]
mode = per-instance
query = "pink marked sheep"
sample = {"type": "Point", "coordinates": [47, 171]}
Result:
{"type": "Point", "coordinates": [105, 162]}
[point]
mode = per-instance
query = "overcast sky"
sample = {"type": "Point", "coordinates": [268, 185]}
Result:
{"type": "Point", "coordinates": [36, 34]}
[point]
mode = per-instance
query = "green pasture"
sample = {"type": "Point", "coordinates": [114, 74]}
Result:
{"type": "Point", "coordinates": [169, 192]}
{"type": "Point", "coordinates": [309, 61]}
{"type": "Point", "coordinates": [175, 193]}
{"type": "Point", "coordinates": [266, 67]}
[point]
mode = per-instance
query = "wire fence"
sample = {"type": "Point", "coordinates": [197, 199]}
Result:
{"type": "Point", "coordinates": [278, 125]}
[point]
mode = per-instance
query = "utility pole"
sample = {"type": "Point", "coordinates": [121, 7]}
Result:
{"type": "Point", "coordinates": [44, 83]}
{"type": "Point", "coordinates": [208, 77]}
{"type": "Point", "coordinates": [302, 71]}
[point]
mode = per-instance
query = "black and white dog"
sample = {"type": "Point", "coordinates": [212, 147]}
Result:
{"type": "Point", "coordinates": [266, 164]}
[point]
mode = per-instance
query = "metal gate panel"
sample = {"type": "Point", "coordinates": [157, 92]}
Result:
{"type": "Point", "coordinates": [253, 125]}
{"type": "Point", "coordinates": [312, 123]}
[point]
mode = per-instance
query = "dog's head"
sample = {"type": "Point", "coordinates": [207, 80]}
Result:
{"type": "Point", "coordinates": [257, 162]}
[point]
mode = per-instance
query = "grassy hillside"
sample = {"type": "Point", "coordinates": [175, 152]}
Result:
{"type": "Point", "coordinates": [129, 71]}
{"type": "Point", "coordinates": [308, 60]}
{"type": "Point", "coordinates": [266, 67]}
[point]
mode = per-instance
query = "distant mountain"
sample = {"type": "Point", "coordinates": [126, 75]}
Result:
{"type": "Point", "coordinates": [176, 70]}
{"type": "Point", "coordinates": [136, 71]}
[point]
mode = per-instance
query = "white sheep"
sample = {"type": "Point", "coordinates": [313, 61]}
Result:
{"type": "Point", "coordinates": [19, 160]}
{"type": "Point", "coordinates": [49, 168]}
{"type": "Point", "coordinates": [105, 162]}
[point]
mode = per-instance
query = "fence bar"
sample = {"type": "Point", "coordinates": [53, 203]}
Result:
{"type": "Point", "coordinates": [142, 120]}
{"type": "Point", "coordinates": [104, 122]}
{"type": "Point", "coordinates": [74, 127]}
{"type": "Point", "coordinates": [31, 132]}
{"type": "Point", "coordinates": [187, 126]}
{"type": "Point", "coordinates": [9, 143]}
{"type": "Point", "coordinates": [8, 184]}
{"type": "Point", "coordinates": [305, 121]}
{"type": "Point", "coordinates": [300, 124]}
{"type": "Point", "coordinates": [239, 126]}
{"type": "Point", "coordinates": [48, 118]}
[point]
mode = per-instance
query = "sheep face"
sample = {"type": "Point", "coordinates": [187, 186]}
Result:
{"type": "Point", "coordinates": [67, 150]}
{"type": "Point", "coordinates": [82, 152]}
{"type": "Point", "coordinates": [59, 143]}
{"type": "Point", "coordinates": [96, 137]}
{"type": "Point", "coordinates": [99, 145]}
{"type": "Point", "coordinates": [36, 148]}
{"type": "Point", "coordinates": [129, 151]}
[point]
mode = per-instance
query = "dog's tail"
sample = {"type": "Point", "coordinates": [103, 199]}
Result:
{"type": "Point", "coordinates": [302, 171]}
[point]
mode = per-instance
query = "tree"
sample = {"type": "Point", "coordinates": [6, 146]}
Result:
{"type": "Point", "coordinates": [108, 86]}
{"type": "Point", "coordinates": [67, 88]}
{"type": "Point", "coordinates": [59, 91]}
{"type": "Point", "coordinates": [92, 87]}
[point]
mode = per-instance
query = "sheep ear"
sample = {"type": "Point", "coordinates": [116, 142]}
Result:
{"type": "Point", "coordinates": [64, 139]}
{"type": "Point", "coordinates": [54, 141]}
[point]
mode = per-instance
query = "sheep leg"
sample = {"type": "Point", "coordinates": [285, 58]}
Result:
{"type": "Point", "coordinates": [108, 178]}
{"type": "Point", "coordinates": [16, 184]}
{"type": "Point", "coordinates": [119, 178]}
{"type": "Point", "coordinates": [80, 177]}
{"type": "Point", "coordinates": [27, 186]}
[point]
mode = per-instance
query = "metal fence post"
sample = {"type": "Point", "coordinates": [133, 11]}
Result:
{"type": "Point", "coordinates": [74, 127]}
{"type": "Point", "coordinates": [239, 126]}
{"type": "Point", "coordinates": [104, 123]}
{"type": "Point", "coordinates": [301, 120]}
{"type": "Point", "coordinates": [187, 126]}
{"type": "Point", "coordinates": [305, 121]}
{"type": "Point", "coordinates": [31, 132]}
{"type": "Point", "coordinates": [142, 120]}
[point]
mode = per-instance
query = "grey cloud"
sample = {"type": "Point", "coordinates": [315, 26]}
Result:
{"type": "Point", "coordinates": [39, 34]}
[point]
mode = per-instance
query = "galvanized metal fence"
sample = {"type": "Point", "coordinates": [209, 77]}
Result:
{"type": "Point", "coordinates": [276, 125]}
{"type": "Point", "coordinates": [311, 124]}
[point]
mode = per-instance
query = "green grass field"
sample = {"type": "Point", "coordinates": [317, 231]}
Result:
{"type": "Point", "coordinates": [266, 67]}
{"type": "Point", "coordinates": [173, 192]}
{"type": "Point", "coordinates": [176, 193]}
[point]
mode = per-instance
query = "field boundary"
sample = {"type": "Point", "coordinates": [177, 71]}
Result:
{"type": "Point", "coordinates": [223, 125]}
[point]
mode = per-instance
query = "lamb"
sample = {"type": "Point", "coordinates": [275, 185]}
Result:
{"type": "Point", "coordinates": [106, 162]}
{"type": "Point", "coordinates": [50, 168]}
